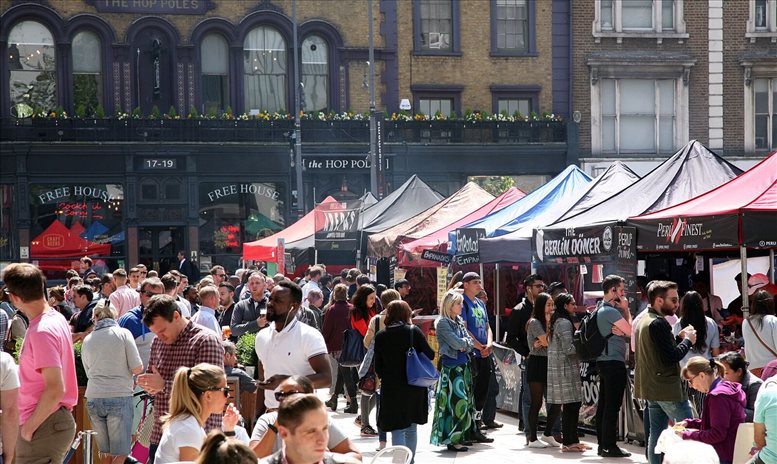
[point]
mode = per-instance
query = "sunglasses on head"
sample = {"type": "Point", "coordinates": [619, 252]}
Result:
{"type": "Point", "coordinates": [279, 395]}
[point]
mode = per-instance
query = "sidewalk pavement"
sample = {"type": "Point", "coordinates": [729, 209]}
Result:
{"type": "Point", "coordinates": [508, 446]}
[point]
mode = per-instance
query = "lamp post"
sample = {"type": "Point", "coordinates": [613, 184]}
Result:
{"type": "Point", "coordinates": [373, 117]}
{"type": "Point", "coordinates": [297, 137]}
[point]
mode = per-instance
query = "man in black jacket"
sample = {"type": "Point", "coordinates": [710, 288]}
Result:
{"type": "Point", "coordinates": [516, 336]}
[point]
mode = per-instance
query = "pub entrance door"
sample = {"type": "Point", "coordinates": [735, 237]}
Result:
{"type": "Point", "coordinates": [158, 247]}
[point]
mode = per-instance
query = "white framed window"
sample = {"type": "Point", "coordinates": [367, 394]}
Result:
{"type": "Point", "coordinates": [436, 21]}
{"type": "Point", "coordinates": [511, 106]}
{"type": "Point", "coordinates": [432, 106]}
{"type": "Point", "coordinates": [760, 104]}
{"type": "Point", "coordinates": [32, 66]}
{"type": "Point", "coordinates": [637, 115]}
{"type": "Point", "coordinates": [265, 70]}
{"type": "Point", "coordinates": [763, 20]}
{"type": "Point", "coordinates": [655, 19]}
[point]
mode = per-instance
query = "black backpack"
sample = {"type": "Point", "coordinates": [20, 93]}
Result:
{"type": "Point", "coordinates": [589, 342]}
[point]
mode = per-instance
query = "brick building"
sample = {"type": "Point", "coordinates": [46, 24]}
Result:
{"type": "Point", "coordinates": [652, 74]}
{"type": "Point", "coordinates": [125, 179]}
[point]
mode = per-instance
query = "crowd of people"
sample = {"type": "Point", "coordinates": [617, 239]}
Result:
{"type": "Point", "coordinates": [139, 333]}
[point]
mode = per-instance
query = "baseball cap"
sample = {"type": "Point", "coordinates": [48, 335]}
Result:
{"type": "Point", "coordinates": [755, 282]}
{"type": "Point", "coordinates": [470, 276]}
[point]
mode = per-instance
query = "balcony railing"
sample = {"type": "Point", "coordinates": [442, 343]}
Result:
{"type": "Point", "coordinates": [258, 131]}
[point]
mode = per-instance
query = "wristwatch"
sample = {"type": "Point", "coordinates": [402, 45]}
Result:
{"type": "Point", "coordinates": [230, 433]}
{"type": "Point", "coordinates": [273, 428]}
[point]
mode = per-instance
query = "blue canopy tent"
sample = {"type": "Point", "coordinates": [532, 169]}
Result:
{"type": "Point", "coordinates": [570, 181]}
{"type": "Point", "coordinates": [515, 247]}
{"type": "Point", "coordinates": [94, 229]}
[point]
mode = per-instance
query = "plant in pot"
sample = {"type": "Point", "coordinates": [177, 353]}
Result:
{"type": "Point", "coordinates": [246, 352]}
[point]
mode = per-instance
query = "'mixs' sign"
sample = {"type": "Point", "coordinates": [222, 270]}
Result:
{"type": "Point", "coordinates": [681, 233]}
{"type": "Point", "coordinates": [153, 6]}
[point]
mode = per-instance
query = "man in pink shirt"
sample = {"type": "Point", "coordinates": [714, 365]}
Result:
{"type": "Point", "coordinates": [47, 371]}
{"type": "Point", "coordinates": [124, 298]}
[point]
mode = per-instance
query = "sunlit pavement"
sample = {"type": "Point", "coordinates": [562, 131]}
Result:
{"type": "Point", "coordinates": [508, 446]}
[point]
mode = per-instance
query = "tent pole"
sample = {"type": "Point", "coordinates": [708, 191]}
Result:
{"type": "Point", "coordinates": [743, 283]}
{"type": "Point", "coordinates": [496, 300]}
{"type": "Point", "coordinates": [315, 256]}
{"type": "Point", "coordinates": [771, 265]}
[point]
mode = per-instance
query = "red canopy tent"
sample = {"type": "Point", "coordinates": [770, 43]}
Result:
{"type": "Point", "coordinates": [265, 249]}
{"type": "Point", "coordinates": [409, 253]}
{"type": "Point", "coordinates": [64, 245]}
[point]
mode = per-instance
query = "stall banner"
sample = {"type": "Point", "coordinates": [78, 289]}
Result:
{"type": "Point", "coordinates": [590, 379]}
{"type": "Point", "coordinates": [508, 376]}
{"type": "Point", "coordinates": [337, 225]}
{"type": "Point", "coordinates": [399, 274]}
{"type": "Point", "coordinates": [467, 248]}
{"type": "Point", "coordinates": [281, 255]}
{"type": "Point", "coordinates": [758, 229]}
{"type": "Point", "coordinates": [437, 256]}
{"type": "Point", "coordinates": [689, 233]}
{"type": "Point", "coordinates": [442, 284]}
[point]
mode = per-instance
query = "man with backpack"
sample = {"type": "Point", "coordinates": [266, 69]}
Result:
{"type": "Point", "coordinates": [613, 320]}
{"type": "Point", "coordinates": [657, 378]}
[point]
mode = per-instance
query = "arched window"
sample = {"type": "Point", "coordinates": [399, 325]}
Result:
{"type": "Point", "coordinates": [315, 73]}
{"type": "Point", "coordinates": [264, 70]}
{"type": "Point", "coordinates": [87, 73]}
{"type": "Point", "coordinates": [32, 66]}
{"type": "Point", "coordinates": [214, 56]}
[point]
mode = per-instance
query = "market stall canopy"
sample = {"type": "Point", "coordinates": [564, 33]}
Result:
{"type": "Point", "coordinates": [410, 252]}
{"type": "Point", "coordinates": [742, 211]}
{"type": "Point", "coordinates": [691, 171]}
{"type": "Point", "coordinates": [515, 247]}
{"type": "Point", "coordinates": [57, 241]}
{"type": "Point", "coordinates": [466, 200]}
{"type": "Point", "coordinates": [411, 198]}
{"type": "Point", "coordinates": [570, 178]}
{"type": "Point", "coordinates": [265, 249]}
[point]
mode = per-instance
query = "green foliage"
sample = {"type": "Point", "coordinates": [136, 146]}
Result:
{"type": "Point", "coordinates": [80, 371]}
{"type": "Point", "coordinates": [193, 113]}
{"type": "Point", "coordinates": [171, 113]}
{"type": "Point", "coordinates": [136, 113]}
{"type": "Point", "coordinates": [81, 111]}
{"type": "Point", "coordinates": [99, 111]}
{"type": "Point", "coordinates": [495, 185]}
{"type": "Point", "coordinates": [155, 113]}
{"type": "Point", "coordinates": [17, 348]}
{"type": "Point", "coordinates": [246, 352]}
{"type": "Point", "coordinates": [85, 93]}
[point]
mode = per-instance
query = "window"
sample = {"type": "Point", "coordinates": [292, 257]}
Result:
{"type": "Point", "coordinates": [511, 106]}
{"type": "Point", "coordinates": [32, 66]}
{"type": "Point", "coordinates": [265, 67]}
{"type": "Point", "coordinates": [8, 225]}
{"type": "Point", "coordinates": [763, 20]}
{"type": "Point", "coordinates": [432, 106]}
{"type": "Point", "coordinates": [434, 25]}
{"type": "Point", "coordinates": [87, 73]}
{"type": "Point", "coordinates": [512, 26]}
{"type": "Point", "coordinates": [637, 115]}
{"type": "Point", "coordinates": [639, 18]}
{"type": "Point", "coordinates": [214, 56]}
{"type": "Point", "coordinates": [765, 109]}
{"type": "Point", "coordinates": [315, 73]}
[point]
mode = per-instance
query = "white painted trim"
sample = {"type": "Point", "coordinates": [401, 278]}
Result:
{"type": "Point", "coordinates": [715, 54]}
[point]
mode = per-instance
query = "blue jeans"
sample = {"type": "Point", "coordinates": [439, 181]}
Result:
{"type": "Point", "coordinates": [112, 420]}
{"type": "Point", "coordinates": [660, 414]}
{"type": "Point", "coordinates": [406, 437]}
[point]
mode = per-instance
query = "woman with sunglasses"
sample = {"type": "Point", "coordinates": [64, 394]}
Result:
{"type": "Point", "coordinates": [265, 439]}
{"type": "Point", "coordinates": [197, 393]}
{"type": "Point", "coordinates": [724, 407]}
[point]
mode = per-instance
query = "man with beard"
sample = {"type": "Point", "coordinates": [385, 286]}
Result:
{"type": "Point", "coordinates": [81, 323]}
{"type": "Point", "coordinates": [226, 306]}
{"type": "Point", "coordinates": [658, 378]}
{"type": "Point", "coordinates": [248, 314]}
{"type": "Point", "coordinates": [289, 346]}
{"type": "Point", "coordinates": [516, 337]}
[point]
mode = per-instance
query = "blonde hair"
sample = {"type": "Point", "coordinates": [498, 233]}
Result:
{"type": "Point", "coordinates": [699, 364]}
{"type": "Point", "coordinates": [188, 386]}
{"type": "Point", "coordinates": [388, 296]}
{"type": "Point", "coordinates": [104, 310]}
{"type": "Point", "coordinates": [451, 298]}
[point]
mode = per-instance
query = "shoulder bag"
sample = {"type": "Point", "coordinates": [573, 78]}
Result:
{"type": "Point", "coordinates": [755, 332]}
{"type": "Point", "coordinates": [419, 368]}
{"type": "Point", "coordinates": [353, 351]}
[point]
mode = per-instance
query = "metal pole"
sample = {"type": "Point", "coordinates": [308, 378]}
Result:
{"type": "Point", "coordinates": [297, 132]}
{"type": "Point", "coordinates": [743, 281]}
{"type": "Point", "coordinates": [88, 457]}
{"type": "Point", "coordinates": [496, 300]}
{"type": "Point", "coordinates": [373, 121]}
{"type": "Point", "coordinates": [771, 265]}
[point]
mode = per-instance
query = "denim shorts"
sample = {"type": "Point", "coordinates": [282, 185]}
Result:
{"type": "Point", "coordinates": [112, 420]}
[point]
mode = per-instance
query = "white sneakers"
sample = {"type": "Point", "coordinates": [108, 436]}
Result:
{"type": "Point", "coordinates": [538, 444]}
{"type": "Point", "coordinates": [550, 441]}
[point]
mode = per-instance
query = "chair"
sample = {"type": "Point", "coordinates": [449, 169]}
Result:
{"type": "Point", "coordinates": [744, 442]}
{"type": "Point", "coordinates": [393, 455]}
{"type": "Point", "coordinates": [234, 391]}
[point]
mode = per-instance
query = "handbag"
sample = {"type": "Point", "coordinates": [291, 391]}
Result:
{"type": "Point", "coordinates": [755, 332]}
{"type": "Point", "coordinates": [353, 351]}
{"type": "Point", "coordinates": [420, 370]}
{"type": "Point", "coordinates": [368, 383]}
{"type": "Point", "coordinates": [367, 362]}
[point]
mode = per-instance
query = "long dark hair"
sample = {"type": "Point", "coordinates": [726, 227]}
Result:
{"type": "Point", "coordinates": [359, 301]}
{"type": "Point", "coordinates": [562, 299]}
{"type": "Point", "coordinates": [538, 312]}
{"type": "Point", "coordinates": [692, 310]}
{"type": "Point", "coordinates": [763, 305]}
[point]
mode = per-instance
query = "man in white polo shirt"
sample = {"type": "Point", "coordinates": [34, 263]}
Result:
{"type": "Point", "coordinates": [289, 347]}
